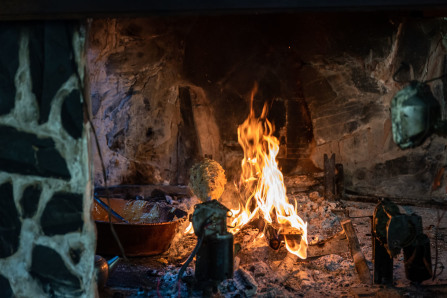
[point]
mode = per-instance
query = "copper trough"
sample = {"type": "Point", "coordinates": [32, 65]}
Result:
{"type": "Point", "coordinates": [137, 239]}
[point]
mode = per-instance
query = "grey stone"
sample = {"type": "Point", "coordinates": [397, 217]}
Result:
{"type": "Point", "coordinates": [9, 62]}
{"type": "Point", "coordinates": [51, 59]}
{"type": "Point", "coordinates": [56, 279]}
{"type": "Point", "coordinates": [30, 200]}
{"type": "Point", "coordinates": [25, 153]}
{"type": "Point", "coordinates": [10, 224]}
{"type": "Point", "coordinates": [72, 115]}
{"type": "Point", "coordinates": [62, 214]}
{"type": "Point", "coordinates": [5, 288]}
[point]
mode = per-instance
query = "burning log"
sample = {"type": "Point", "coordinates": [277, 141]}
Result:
{"type": "Point", "coordinates": [272, 236]}
{"type": "Point", "coordinates": [263, 185]}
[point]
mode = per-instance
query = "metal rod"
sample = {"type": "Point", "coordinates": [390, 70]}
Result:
{"type": "Point", "coordinates": [108, 209]}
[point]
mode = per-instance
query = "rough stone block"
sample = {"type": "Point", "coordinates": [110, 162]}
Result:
{"type": "Point", "coordinates": [9, 62]}
{"type": "Point", "coordinates": [51, 59]}
{"type": "Point", "coordinates": [25, 153]}
{"type": "Point", "coordinates": [9, 222]}
{"type": "Point", "coordinates": [62, 214]}
{"type": "Point", "coordinates": [49, 268]}
{"type": "Point", "coordinates": [36, 59]}
{"type": "Point", "coordinates": [30, 200]}
{"type": "Point", "coordinates": [72, 115]}
{"type": "Point", "coordinates": [5, 288]}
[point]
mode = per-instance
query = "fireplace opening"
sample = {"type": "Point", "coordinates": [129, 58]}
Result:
{"type": "Point", "coordinates": [277, 153]}
{"type": "Point", "coordinates": [169, 93]}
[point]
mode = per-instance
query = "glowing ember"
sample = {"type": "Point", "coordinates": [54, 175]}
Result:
{"type": "Point", "coordinates": [262, 184]}
{"type": "Point", "coordinates": [189, 229]}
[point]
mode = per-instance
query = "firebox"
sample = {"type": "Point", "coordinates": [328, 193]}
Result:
{"type": "Point", "coordinates": [226, 149]}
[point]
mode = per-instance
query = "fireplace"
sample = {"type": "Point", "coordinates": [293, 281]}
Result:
{"type": "Point", "coordinates": [186, 82]}
{"type": "Point", "coordinates": [163, 92]}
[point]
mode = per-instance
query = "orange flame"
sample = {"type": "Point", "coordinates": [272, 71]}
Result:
{"type": "Point", "coordinates": [262, 183]}
{"type": "Point", "coordinates": [189, 229]}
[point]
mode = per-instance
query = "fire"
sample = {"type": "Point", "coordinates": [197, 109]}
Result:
{"type": "Point", "coordinates": [262, 184]}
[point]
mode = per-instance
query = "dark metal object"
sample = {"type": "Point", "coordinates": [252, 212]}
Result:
{"type": "Point", "coordinates": [418, 260]}
{"type": "Point", "coordinates": [139, 239]}
{"type": "Point", "coordinates": [103, 268]}
{"type": "Point", "coordinates": [108, 209]}
{"type": "Point", "coordinates": [383, 263]}
{"type": "Point", "coordinates": [415, 115]}
{"type": "Point", "coordinates": [333, 178]}
{"type": "Point", "coordinates": [392, 232]}
{"type": "Point", "coordinates": [214, 260]}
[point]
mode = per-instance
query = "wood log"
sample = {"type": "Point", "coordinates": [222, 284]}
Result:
{"type": "Point", "coordinates": [356, 252]}
{"type": "Point", "coordinates": [272, 236]}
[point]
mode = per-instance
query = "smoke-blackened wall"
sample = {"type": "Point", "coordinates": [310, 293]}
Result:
{"type": "Point", "coordinates": [168, 91]}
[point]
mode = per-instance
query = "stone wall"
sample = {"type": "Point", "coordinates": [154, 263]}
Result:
{"type": "Point", "coordinates": [167, 91]}
{"type": "Point", "coordinates": [151, 123]}
{"type": "Point", "coordinates": [47, 238]}
{"type": "Point", "coordinates": [349, 94]}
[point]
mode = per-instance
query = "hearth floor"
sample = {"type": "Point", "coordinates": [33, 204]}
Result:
{"type": "Point", "coordinates": [277, 273]}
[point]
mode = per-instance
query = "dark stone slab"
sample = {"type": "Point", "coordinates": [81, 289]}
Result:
{"type": "Point", "coordinates": [49, 268]}
{"type": "Point", "coordinates": [30, 200]}
{"type": "Point", "coordinates": [5, 287]}
{"type": "Point", "coordinates": [72, 114]}
{"type": "Point", "coordinates": [10, 224]}
{"type": "Point", "coordinates": [9, 62]}
{"type": "Point", "coordinates": [52, 163]}
{"type": "Point", "coordinates": [52, 63]}
{"type": "Point", "coordinates": [25, 153]}
{"type": "Point", "coordinates": [36, 55]}
{"type": "Point", "coordinates": [62, 214]}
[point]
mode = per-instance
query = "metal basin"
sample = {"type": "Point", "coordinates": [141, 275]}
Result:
{"type": "Point", "coordinates": [137, 239]}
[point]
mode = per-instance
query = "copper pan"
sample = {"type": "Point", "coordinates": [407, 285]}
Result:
{"type": "Point", "coordinates": [137, 239]}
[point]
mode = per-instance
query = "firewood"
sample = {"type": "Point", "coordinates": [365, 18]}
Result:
{"type": "Point", "coordinates": [357, 255]}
